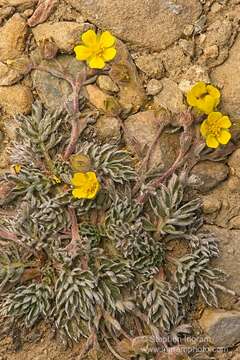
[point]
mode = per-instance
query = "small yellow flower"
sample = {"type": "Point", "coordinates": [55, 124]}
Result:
{"type": "Point", "coordinates": [203, 97]}
{"type": "Point", "coordinates": [86, 185]}
{"type": "Point", "coordinates": [17, 168]}
{"type": "Point", "coordinates": [56, 179]}
{"type": "Point", "coordinates": [215, 129]}
{"type": "Point", "coordinates": [96, 49]}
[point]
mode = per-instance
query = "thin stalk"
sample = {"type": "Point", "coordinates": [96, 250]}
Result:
{"type": "Point", "coordinates": [113, 351]}
{"type": "Point", "coordinates": [225, 290]}
{"type": "Point", "coordinates": [47, 158]}
{"type": "Point", "coordinates": [73, 247]}
{"type": "Point", "coordinates": [12, 237]}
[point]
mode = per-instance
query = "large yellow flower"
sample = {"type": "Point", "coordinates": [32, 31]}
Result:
{"type": "Point", "coordinates": [215, 129]}
{"type": "Point", "coordinates": [203, 97]}
{"type": "Point", "coordinates": [96, 49]}
{"type": "Point", "coordinates": [86, 185]}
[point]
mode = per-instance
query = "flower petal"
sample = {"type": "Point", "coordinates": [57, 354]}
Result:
{"type": "Point", "coordinates": [96, 62]}
{"type": "Point", "coordinates": [199, 89]}
{"type": "Point", "coordinates": [82, 52]}
{"type": "Point", "coordinates": [107, 39]}
{"type": "Point", "coordinates": [224, 137]}
{"type": "Point", "coordinates": [78, 179]}
{"type": "Point", "coordinates": [91, 177]}
{"type": "Point", "coordinates": [206, 104]}
{"type": "Point", "coordinates": [215, 93]}
{"type": "Point", "coordinates": [211, 141]}
{"type": "Point", "coordinates": [204, 128]}
{"type": "Point", "coordinates": [79, 193]}
{"type": "Point", "coordinates": [89, 38]}
{"type": "Point", "coordinates": [109, 54]}
{"type": "Point", "coordinates": [215, 116]}
{"type": "Point", "coordinates": [224, 122]}
{"type": "Point", "coordinates": [191, 99]}
{"type": "Point", "coordinates": [91, 193]}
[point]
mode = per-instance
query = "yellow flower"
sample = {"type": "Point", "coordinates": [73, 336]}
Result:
{"type": "Point", "coordinates": [56, 179]}
{"type": "Point", "coordinates": [96, 49]}
{"type": "Point", "coordinates": [214, 129]}
{"type": "Point", "coordinates": [203, 97]}
{"type": "Point", "coordinates": [86, 185]}
{"type": "Point", "coordinates": [17, 168]}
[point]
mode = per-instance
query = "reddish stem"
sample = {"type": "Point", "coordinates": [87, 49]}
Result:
{"type": "Point", "coordinates": [13, 237]}
{"type": "Point", "coordinates": [73, 140]}
{"type": "Point", "coordinates": [73, 247]}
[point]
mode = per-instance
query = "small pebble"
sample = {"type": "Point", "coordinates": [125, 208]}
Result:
{"type": "Point", "coordinates": [233, 184]}
{"type": "Point", "coordinates": [211, 51]}
{"type": "Point", "coordinates": [188, 30]}
{"type": "Point", "coordinates": [187, 46]}
{"type": "Point", "coordinates": [105, 83]}
{"type": "Point", "coordinates": [27, 13]}
{"type": "Point", "coordinates": [154, 87]}
{"type": "Point", "coordinates": [234, 223]}
{"type": "Point", "coordinates": [210, 205]}
{"type": "Point", "coordinates": [216, 7]}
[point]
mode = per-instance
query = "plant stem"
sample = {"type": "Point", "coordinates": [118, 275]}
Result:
{"type": "Point", "coordinates": [225, 290]}
{"type": "Point", "coordinates": [185, 145]}
{"type": "Point", "coordinates": [12, 237]}
{"type": "Point", "coordinates": [73, 139]}
{"type": "Point", "coordinates": [73, 247]}
{"type": "Point", "coordinates": [47, 158]}
{"type": "Point", "coordinates": [145, 163]}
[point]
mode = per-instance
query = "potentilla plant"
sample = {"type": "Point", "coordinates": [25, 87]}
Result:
{"type": "Point", "coordinates": [87, 249]}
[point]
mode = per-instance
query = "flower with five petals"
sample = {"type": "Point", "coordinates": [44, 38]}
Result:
{"type": "Point", "coordinates": [86, 185]}
{"type": "Point", "coordinates": [203, 98]}
{"type": "Point", "coordinates": [215, 129]}
{"type": "Point", "coordinates": [96, 49]}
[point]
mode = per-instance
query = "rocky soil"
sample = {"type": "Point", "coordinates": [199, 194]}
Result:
{"type": "Point", "coordinates": [167, 46]}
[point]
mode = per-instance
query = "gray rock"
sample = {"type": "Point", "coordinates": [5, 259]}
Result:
{"type": "Point", "coordinates": [233, 184]}
{"type": "Point", "coordinates": [210, 173]}
{"type": "Point", "coordinates": [187, 46]}
{"type": "Point", "coordinates": [222, 326]}
{"type": "Point", "coordinates": [228, 79]}
{"type": "Point", "coordinates": [108, 128]}
{"type": "Point", "coordinates": [13, 70]}
{"type": "Point", "coordinates": [52, 91]}
{"type": "Point", "coordinates": [99, 99]}
{"type": "Point", "coordinates": [143, 127]}
{"type": "Point", "coordinates": [124, 73]}
{"type": "Point", "coordinates": [154, 87]}
{"type": "Point", "coordinates": [234, 163]}
{"type": "Point", "coordinates": [188, 30]}
{"type": "Point", "coordinates": [229, 262]}
{"type": "Point", "coordinates": [19, 4]}
{"type": "Point", "coordinates": [170, 97]}
{"type": "Point", "coordinates": [210, 204]}
{"type": "Point", "coordinates": [151, 23]}
{"type": "Point", "coordinates": [105, 83]}
{"type": "Point", "coordinates": [13, 37]}
{"type": "Point", "coordinates": [65, 34]}
{"type": "Point", "coordinates": [5, 12]}
{"type": "Point", "coordinates": [194, 74]}
{"type": "Point", "coordinates": [234, 223]}
{"type": "Point", "coordinates": [151, 65]}
{"type": "Point", "coordinates": [16, 99]}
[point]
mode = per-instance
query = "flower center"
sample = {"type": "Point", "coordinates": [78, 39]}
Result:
{"type": "Point", "coordinates": [213, 128]}
{"type": "Point", "coordinates": [202, 96]}
{"type": "Point", "coordinates": [91, 189]}
{"type": "Point", "coordinates": [98, 50]}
